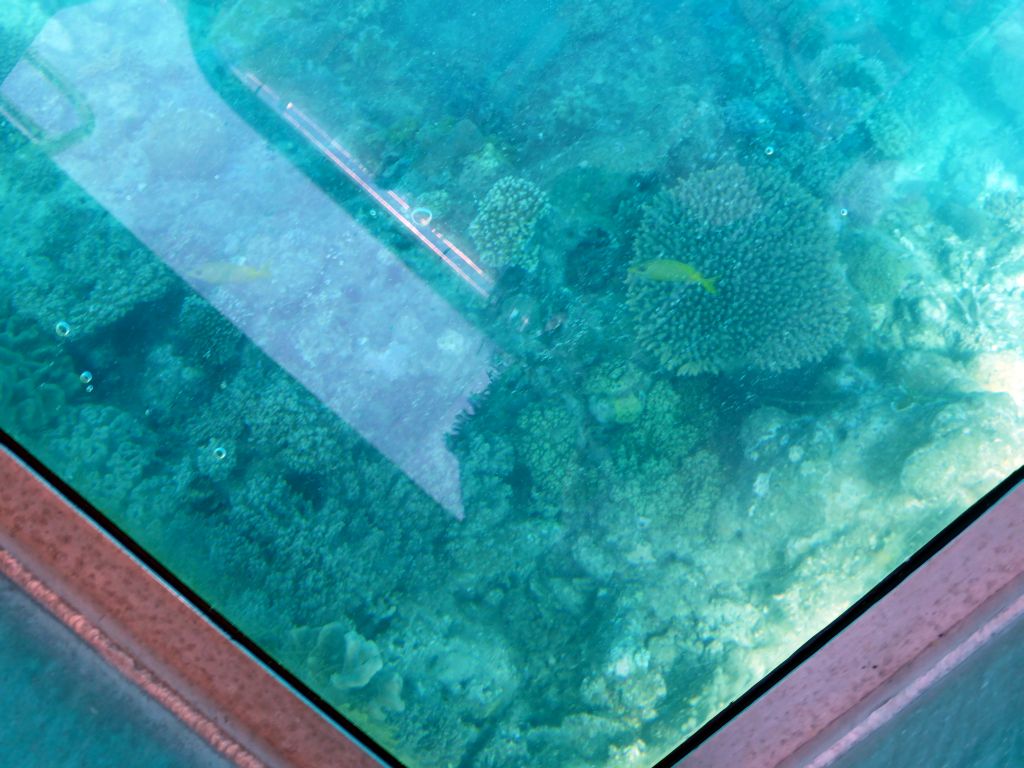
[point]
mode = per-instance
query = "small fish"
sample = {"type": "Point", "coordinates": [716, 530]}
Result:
{"type": "Point", "coordinates": [673, 271]}
{"type": "Point", "coordinates": [227, 273]}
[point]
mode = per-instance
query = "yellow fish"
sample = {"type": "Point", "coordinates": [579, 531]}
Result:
{"type": "Point", "coordinates": [672, 271]}
{"type": "Point", "coordinates": [227, 273]}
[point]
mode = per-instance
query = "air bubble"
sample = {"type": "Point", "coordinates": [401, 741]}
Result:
{"type": "Point", "coordinates": [422, 217]}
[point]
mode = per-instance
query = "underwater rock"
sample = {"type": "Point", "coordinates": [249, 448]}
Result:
{"type": "Point", "coordinates": [505, 223]}
{"type": "Point", "coordinates": [484, 167]}
{"type": "Point", "coordinates": [507, 746]}
{"type": "Point", "coordinates": [811, 476]}
{"type": "Point", "coordinates": [615, 393]}
{"type": "Point", "coordinates": [779, 298]}
{"type": "Point", "coordinates": [985, 427]}
{"type": "Point", "coordinates": [628, 687]}
{"type": "Point", "coordinates": [1000, 372]}
{"type": "Point", "coordinates": [578, 740]}
{"type": "Point", "coordinates": [927, 375]}
{"type": "Point", "coordinates": [480, 673]}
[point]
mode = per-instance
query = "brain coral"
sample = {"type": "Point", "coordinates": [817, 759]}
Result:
{"type": "Point", "coordinates": [780, 299]}
{"type": "Point", "coordinates": [506, 221]}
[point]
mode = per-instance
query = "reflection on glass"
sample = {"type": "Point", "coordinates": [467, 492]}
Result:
{"type": "Point", "coordinates": [68, 707]}
{"type": "Point", "coordinates": [187, 159]}
{"type": "Point", "coordinates": [968, 717]}
{"type": "Point", "coordinates": [529, 380]}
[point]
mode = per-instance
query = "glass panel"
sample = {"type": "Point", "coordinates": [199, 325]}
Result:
{"type": "Point", "coordinates": [67, 707]}
{"type": "Point", "coordinates": [529, 379]}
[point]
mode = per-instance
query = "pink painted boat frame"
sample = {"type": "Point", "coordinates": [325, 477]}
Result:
{"type": "Point", "coordinates": [941, 605]}
{"type": "Point", "coordinates": [204, 674]}
{"type": "Point", "coordinates": [944, 603]}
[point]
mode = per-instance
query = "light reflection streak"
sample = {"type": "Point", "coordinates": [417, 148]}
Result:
{"type": "Point", "coordinates": [340, 157]}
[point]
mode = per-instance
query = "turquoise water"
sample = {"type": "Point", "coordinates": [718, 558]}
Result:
{"type": "Point", "coordinates": [67, 708]}
{"type": "Point", "coordinates": [528, 379]}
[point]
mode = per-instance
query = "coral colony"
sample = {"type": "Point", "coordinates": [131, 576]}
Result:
{"type": "Point", "coordinates": [756, 325]}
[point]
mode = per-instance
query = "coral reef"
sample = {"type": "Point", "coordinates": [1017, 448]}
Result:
{"type": "Point", "coordinates": [845, 84]}
{"type": "Point", "coordinates": [987, 427]}
{"type": "Point", "coordinates": [781, 300]}
{"type": "Point", "coordinates": [876, 266]}
{"type": "Point", "coordinates": [548, 446]}
{"type": "Point", "coordinates": [335, 657]}
{"type": "Point", "coordinates": [207, 336]}
{"type": "Point", "coordinates": [505, 223]}
{"type": "Point", "coordinates": [615, 393]}
{"type": "Point", "coordinates": [107, 454]}
{"type": "Point", "coordinates": [36, 377]}
{"type": "Point", "coordinates": [890, 131]}
{"type": "Point", "coordinates": [91, 279]}
{"type": "Point", "coordinates": [815, 207]}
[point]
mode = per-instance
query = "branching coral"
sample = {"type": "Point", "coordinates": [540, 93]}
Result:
{"type": "Point", "coordinates": [547, 446]}
{"type": "Point", "coordinates": [206, 335]}
{"type": "Point", "coordinates": [506, 222]}
{"type": "Point", "coordinates": [780, 299]}
{"type": "Point", "coordinates": [844, 84]}
{"type": "Point", "coordinates": [843, 66]}
{"type": "Point", "coordinates": [890, 131]}
{"type": "Point", "coordinates": [88, 272]}
{"type": "Point", "coordinates": [283, 417]}
{"type": "Point", "coordinates": [35, 376]}
{"type": "Point", "coordinates": [107, 452]}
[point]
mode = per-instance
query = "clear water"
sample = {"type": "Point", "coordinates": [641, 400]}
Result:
{"type": "Point", "coordinates": [529, 379]}
{"type": "Point", "coordinates": [64, 707]}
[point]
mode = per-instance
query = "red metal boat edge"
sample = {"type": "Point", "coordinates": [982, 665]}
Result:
{"type": "Point", "coordinates": [924, 619]}
{"type": "Point", "coordinates": [945, 603]}
{"type": "Point", "coordinates": [159, 642]}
